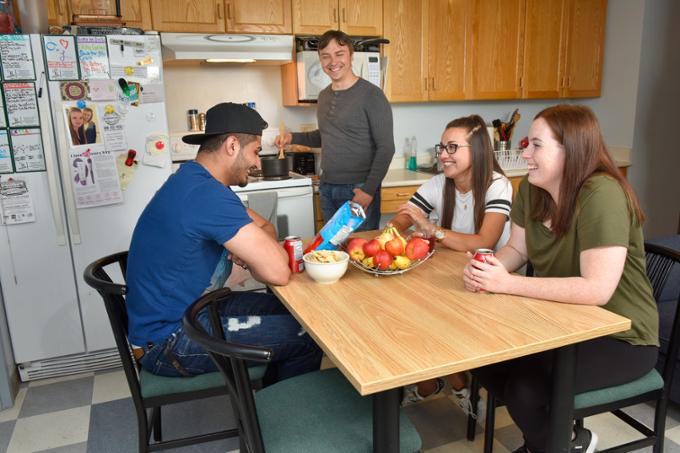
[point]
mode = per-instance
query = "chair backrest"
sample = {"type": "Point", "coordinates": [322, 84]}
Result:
{"type": "Point", "coordinates": [660, 262]}
{"type": "Point", "coordinates": [113, 295]}
{"type": "Point", "coordinates": [230, 359]}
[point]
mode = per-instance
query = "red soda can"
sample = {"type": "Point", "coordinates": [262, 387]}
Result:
{"type": "Point", "coordinates": [293, 246]}
{"type": "Point", "coordinates": [481, 254]}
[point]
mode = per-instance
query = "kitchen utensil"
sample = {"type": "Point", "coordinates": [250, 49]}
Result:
{"type": "Point", "coordinates": [273, 167]}
{"type": "Point", "coordinates": [282, 134]}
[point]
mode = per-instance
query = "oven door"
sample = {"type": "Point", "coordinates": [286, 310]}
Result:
{"type": "Point", "coordinates": [294, 209]}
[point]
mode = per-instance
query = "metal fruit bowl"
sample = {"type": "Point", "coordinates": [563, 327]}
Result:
{"type": "Point", "coordinates": [378, 272]}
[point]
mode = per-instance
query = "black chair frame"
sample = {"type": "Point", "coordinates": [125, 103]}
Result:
{"type": "Point", "coordinates": [113, 294]}
{"type": "Point", "coordinates": [659, 262]}
{"type": "Point", "coordinates": [231, 359]}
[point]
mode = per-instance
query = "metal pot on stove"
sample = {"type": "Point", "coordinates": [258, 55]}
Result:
{"type": "Point", "coordinates": [273, 167]}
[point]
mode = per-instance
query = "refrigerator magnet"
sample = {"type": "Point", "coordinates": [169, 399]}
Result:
{"type": "Point", "coordinates": [74, 91]}
{"type": "Point", "coordinates": [156, 150]}
{"type": "Point", "coordinates": [126, 172]}
{"type": "Point", "coordinates": [60, 56]}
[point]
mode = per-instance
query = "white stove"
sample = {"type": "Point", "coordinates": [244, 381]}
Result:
{"type": "Point", "coordinates": [260, 183]}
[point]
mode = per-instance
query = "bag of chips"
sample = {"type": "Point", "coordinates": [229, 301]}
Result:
{"type": "Point", "coordinates": [345, 220]}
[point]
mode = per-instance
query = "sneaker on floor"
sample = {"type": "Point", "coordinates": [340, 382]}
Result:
{"type": "Point", "coordinates": [584, 442]}
{"type": "Point", "coordinates": [465, 403]}
{"type": "Point", "coordinates": [411, 394]}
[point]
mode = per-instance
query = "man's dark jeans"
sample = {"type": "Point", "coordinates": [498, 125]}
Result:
{"type": "Point", "coordinates": [249, 318]}
{"type": "Point", "coordinates": [332, 196]}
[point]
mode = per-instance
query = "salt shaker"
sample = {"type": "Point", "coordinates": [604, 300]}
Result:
{"type": "Point", "coordinates": [192, 119]}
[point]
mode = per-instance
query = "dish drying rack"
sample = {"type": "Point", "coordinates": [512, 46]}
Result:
{"type": "Point", "coordinates": [510, 159]}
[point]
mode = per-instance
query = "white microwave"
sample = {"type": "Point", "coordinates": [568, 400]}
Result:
{"type": "Point", "coordinates": [312, 79]}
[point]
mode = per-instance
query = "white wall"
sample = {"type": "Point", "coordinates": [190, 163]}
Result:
{"type": "Point", "coordinates": [656, 165]}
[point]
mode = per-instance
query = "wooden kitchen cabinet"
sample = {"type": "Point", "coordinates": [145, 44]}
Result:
{"type": "Point", "coordinates": [563, 48]}
{"type": "Point", "coordinates": [393, 197]}
{"type": "Point", "coordinates": [259, 16]}
{"type": "Point", "coordinates": [494, 57]}
{"type": "Point", "coordinates": [584, 48]}
{"type": "Point", "coordinates": [543, 42]}
{"type": "Point", "coordinates": [58, 13]}
{"type": "Point", "coordinates": [354, 17]}
{"type": "Point", "coordinates": [221, 16]}
{"type": "Point", "coordinates": [135, 13]}
{"type": "Point", "coordinates": [426, 57]}
{"type": "Point", "coordinates": [198, 16]}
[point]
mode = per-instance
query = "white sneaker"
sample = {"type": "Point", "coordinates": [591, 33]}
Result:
{"type": "Point", "coordinates": [411, 394]}
{"type": "Point", "coordinates": [465, 403]}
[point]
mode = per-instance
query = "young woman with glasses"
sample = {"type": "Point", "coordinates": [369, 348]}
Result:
{"type": "Point", "coordinates": [465, 207]}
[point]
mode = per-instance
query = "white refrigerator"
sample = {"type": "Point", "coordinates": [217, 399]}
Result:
{"type": "Point", "coordinates": [83, 201]}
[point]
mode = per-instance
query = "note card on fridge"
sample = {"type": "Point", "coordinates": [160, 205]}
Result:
{"type": "Point", "coordinates": [60, 55]}
{"type": "Point", "coordinates": [27, 148]}
{"type": "Point", "coordinates": [16, 57]}
{"type": "Point", "coordinates": [21, 104]}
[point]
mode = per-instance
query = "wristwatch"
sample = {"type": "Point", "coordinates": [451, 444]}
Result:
{"type": "Point", "coordinates": [439, 234]}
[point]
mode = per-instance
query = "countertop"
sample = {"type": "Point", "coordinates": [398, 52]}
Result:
{"type": "Point", "coordinates": [401, 177]}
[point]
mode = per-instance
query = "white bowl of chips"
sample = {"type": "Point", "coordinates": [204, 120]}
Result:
{"type": "Point", "coordinates": [326, 266]}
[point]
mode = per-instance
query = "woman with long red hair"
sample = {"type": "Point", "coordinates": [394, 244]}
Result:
{"type": "Point", "coordinates": [578, 222]}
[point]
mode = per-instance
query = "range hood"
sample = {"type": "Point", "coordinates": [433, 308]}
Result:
{"type": "Point", "coordinates": [276, 49]}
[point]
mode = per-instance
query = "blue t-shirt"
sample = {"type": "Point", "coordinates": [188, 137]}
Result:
{"type": "Point", "coordinates": [177, 250]}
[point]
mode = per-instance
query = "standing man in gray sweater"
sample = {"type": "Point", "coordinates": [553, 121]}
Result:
{"type": "Point", "coordinates": [355, 133]}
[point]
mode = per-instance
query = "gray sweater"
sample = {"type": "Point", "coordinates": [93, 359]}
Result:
{"type": "Point", "coordinates": [355, 134]}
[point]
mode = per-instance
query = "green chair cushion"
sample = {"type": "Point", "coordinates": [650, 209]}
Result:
{"type": "Point", "coordinates": [155, 385]}
{"type": "Point", "coordinates": [647, 383]}
{"type": "Point", "coordinates": [321, 411]}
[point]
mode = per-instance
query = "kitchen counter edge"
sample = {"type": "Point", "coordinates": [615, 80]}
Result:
{"type": "Point", "coordinates": [396, 177]}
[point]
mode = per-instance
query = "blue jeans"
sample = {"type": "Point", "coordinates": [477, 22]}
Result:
{"type": "Point", "coordinates": [248, 318]}
{"type": "Point", "coordinates": [332, 196]}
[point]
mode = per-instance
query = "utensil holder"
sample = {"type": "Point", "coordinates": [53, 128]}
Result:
{"type": "Point", "coordinates": [502, 145]}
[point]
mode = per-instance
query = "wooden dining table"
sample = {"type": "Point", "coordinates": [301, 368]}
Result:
{"type": "Point", "coordinates": [384, 332]}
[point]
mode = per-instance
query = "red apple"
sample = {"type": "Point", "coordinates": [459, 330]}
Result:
{"type": "Point", "coordinates": [382, 260]}
{"type": "Point", "coordinates": [417, 249]}
{"type": "Point", "coordinates": [355, 248]}
{"type": "Point", "coordinates": [394, 247]}
{"type": "Point", "coordinates": [371, 247]}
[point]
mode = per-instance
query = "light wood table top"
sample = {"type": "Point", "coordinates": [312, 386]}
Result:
{"type": "Point", "coordinates": [389, 331]}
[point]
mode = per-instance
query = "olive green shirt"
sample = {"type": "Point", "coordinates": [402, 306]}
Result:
{"type": "Point", "coordinates": [601, 218]}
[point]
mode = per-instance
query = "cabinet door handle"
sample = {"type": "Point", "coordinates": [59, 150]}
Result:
{"type": "Point", "coordinates": [344, 19]}
{"type": "Point", "coordinates": [59, 10]}
{"type": "Point", "coordinates": [425, 79]}
{"type": "Point", "coordinates": [229, 11]}
{"type": "Point", "coordinates": [219, 10]}
{"type": "Point", "coordinates": [403, 194]}
{"type": "Point", "coordinates": [432, 85]}
{"type": "Point", "coordinates": [335, 16]}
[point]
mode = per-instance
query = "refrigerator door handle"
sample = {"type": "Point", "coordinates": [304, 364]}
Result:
{"type": "Point", "coordinates": [53, 184]}
{"type": "Point", "coordinates": [71, 213]}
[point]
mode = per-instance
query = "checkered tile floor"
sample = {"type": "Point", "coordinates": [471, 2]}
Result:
{"type": "Point", "coordinates": [94, 413]}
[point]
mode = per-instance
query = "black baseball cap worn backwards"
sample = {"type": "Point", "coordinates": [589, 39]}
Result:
{"type": "Point", "coordinates": [226, 118]}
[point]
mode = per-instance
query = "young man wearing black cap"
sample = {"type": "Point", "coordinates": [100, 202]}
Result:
{"type": "Point", "coordinates": [184, 244]}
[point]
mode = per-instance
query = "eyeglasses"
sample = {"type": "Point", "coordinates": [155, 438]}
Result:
{"type": "Point", "coordinates": [450, 148]}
